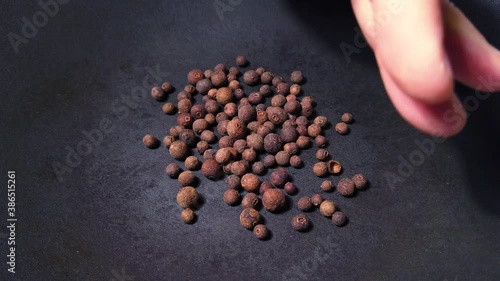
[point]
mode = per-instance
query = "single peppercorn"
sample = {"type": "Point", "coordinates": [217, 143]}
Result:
{"type": "Point", "coordinates": [320, 169]}
{"type": "Point", "coordinates": [210, 118]}
{"type": "Point", "coordinates": [262, 116]}
{"type": "Point", "coordinates": [241, 61]}
{"type": "Point", "coordinates": [219, 79]}
{"type": "Point", "coordinates": [176, 131]}
{"type": "Point", "coordinates": [255, 98]}
{"type": "Point", "coordinates": [209, 154]}
{"type": "Point", "coordinates": [179, 150]}
{"type": "Point", "coordinates": [258, 168]}
{"type": "Point", "coordinates": [246, 113]}
{"type": "Point", "coordinates": [167, 87]}
{"type": "Point", "coordinates": [167, 141]}
{"type": "Point", "coordinates": [283, 88]}
{"type": "Point", "coordinates": [250, 200]}
{"type": "Point", "coordinates": [240, 145]}
{"type": "Point", "coordinates": [296, 161]}
{"type": "Point", "coordinates": [307, 110]}
{"type": "Point", "coordinates": [297, 77]}
{"type": "Point", "coordinates": [260, 231]}
{"type": "Point", "coordinates": [282, 158]}
{"type": "Point", "coordinates": [212, 106]}
{"type": "Point", "coordinates": [251, 77]}
{"type": "Point", "coordinates": [150, 141]}
{"type": "Point", "coordinates": [327, 186]}
{"type": "Point", "coordinates": [279, 177]}
{"type": "Point", "coordinates": [188, 216]}
{"type": "Point", "coordinates": [272, 143]}
{"type": "Point", "coordinates": [249, 218]}
{"type": "Point", "coordinates": [184, 119]}
{"type": "Point", "coordinates": [264, 186]}
{"type": "Point", "coordinates": [292, 107]}
{"type": "Point", "coordinates": [158, 94]}
{"type": "Point", "coordinates": [230, 109]}
{"type": "Point", "coordinates": [267, 77]}
{"type": "Point", "coordinates": [295, 90]}
{"type": "Point", "coordinates": [221, 116]}
{"type": "Point", "coordinates": [200, 125]}
{"type": "Point", "coordinates": [274, 200]}
{"type": "Point", "coordinates": [190, 89]}
{"type": "Point", "coordinates": [240, 168]}
{"type": "Point", "coordinates": [278, 101]}
{"type": "Point", "coordinates": [194, 76]}
{"type": "Point", "coordinates": [208, 136]}
{"type": "Point", "coordinates": [291, 148]}
{"type": "Point", "coordinates": [321, 121]}
{"type": "Point", "coordinates": [231, 77]}
{"type": "Point", "coordinates": [187, 178]}
{"type": "Point", "coordinates": [211, 169]}
{"type": "Point", "coordinates": [289, 134]}
{"type": "Point", "coordinates": [347, 118]}
{"type": "Point", "coordinates": [291, 98]}
{"type": "Point", "coordinates": [265, 90]}
{"type": "Point", "coordinates": [202, 146]}
{"type": "Point", "coordinates": [233, 181]}
{"type": "Point", "coordinates": [302, 120]}
{"type": "Point", "coordinates": [224, 95]}
{"type": "Point", "coordinates": [239, 93]}
{"type": "Point", "coordinates": [300, 223]}
{"type": "Point", "coordinates": [188, 137]}
{"type": "Point", "coordinates": [345, 187]}
{"type": "Point", "coordinates": [322, 154]}
{"type": "Point", "coordinates": [334, 167]}
{"type": "Point", "coordinates": [260, 70]}
{"type": "Point", "coordinates": [250, 183]}
{"type": "Point", "coordinates": [290, 188]}
{"type": "Point", "coordinates": [236, 129]}
{"type": "Point", "coordinates": [303, 142]}
{"type": "Point", "coordinates": [304, 204]}
{"type": "Point", "coordinates": [192, 163]}
{"type": "Point", "coordinates": [252, 126]}
{"type": "Point", "coordinates": [316, 199]}
{"type": "Point", "coordinates": [342, 128]}
{"type": "Point", "coordinates": [168, 108]}
{"type": "Point", "coordinates": [314, 130]}
{"type": "Point", "coordinates": [223, 155]}
{"type": "Point", "coordinates": [183, 95]}
{"type": "Point", "coordinates": [173, 170]}
{"type": "Point", "coordinates": [359, 181]}
{"type": "Point", "coordinates": [208, 73]}
{"type": "Point", "coordinates": [231, 197]}
{"type": "Point", "coordinates": [327, 208]}
{"type": "Point", "coordinates": [249, 155]}
{"type": "Point", "coordinates": [269, 161]}
{"type": "Point", "coordinates": [220, 67]}
{"type": "Point", "coordinates": [198, 111]}
{"type": "Point", "coordinates": [338, 218]}
{"type": "Point", "coordinates": [188, 197]}
{"type": "Point", "coordinates": [234, 85]}
{"type": "Point", "coordinates": [222, 127]}
{"type": "Point", "coordinates": [277, 80]}
{"type": "Point", "coordinates": [320, 141]}
{"type": "Point", "coordinates": [184, 105]}
{"type": "Point", "coordinates": [302, 130]}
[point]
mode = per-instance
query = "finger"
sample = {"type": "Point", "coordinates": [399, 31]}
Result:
{"type": "Point", "coordinates": [408, 44]}
{"type": "Point", "coordinates": [474, 61]}
{"type": "Point", "coordinates": [443, 120]}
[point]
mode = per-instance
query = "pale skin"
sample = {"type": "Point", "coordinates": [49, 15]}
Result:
{"type": "Point", "coordinates": [420, 52]}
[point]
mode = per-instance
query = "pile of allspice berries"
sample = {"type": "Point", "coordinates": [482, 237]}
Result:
{"type": "Point", "coordinates": [242, 135]}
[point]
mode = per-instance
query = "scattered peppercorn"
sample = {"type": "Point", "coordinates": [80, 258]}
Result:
{"type": "Point", "coordinates": [345, 187]}
{"type": "Point", "coordinates": [274, 200]}
{"type": "Point", "coordinates": [347, 118]}
{"type": "Point", "coordinates": [282, 158]}
{"type": "Point", "coordinates": [269, 161]}
{"type": "Point", "coordinates": [208, 136]}
{"type": "Point", "coordinates": [290, 188]}
{"type": "Point", "coordinates": [327, 186]}
{"type": "Point", "coordinates": [342, 128]}
{"type": "Point", "coordinates": [295, 90]}
{"type": "Point", "coordinates": [296, 161]}
{"type": "Point", "coordinates": [168, 108]}
{"type": "Point", "coordinates": [239, 168]}
{"type": "Point", "coordinates": [210, 169]}
{"type": "Point", "coordinates": [179, 150]}
{"type": "Point", "coordinates": [202, 146]}
{"type": "Point", "coordinates": [167, 87]}
{"type": "Point", "coordinates": [250, 200]}
{"type": "Point", "coordinates": [231, 197]}
{"type": "Point", "coordinates": [267, 77]}
{"type": "Point", "coordinates": [249, 155]}
{"type": "Point", "coordinates": [167, 141]}
{"type": "Point", "coordinates": [251, 77]}
{"type": "Point", "coordinates": [219, 79]}
{"type": "Point", "coordinates": [320, 141]}
{"type": "Point", "coordinates": [322, 154]}
{"type": "Point", "coordinates": [187, 197]}
{"type": "Point", "coordinates": [194, 76]}
{"type": "Point", "coordinates": [300, 223]}
{"type": "Point", "coordinates": [314, 130]}
{"type": "Point", "coordinates": [188, 137]}
{"type": "Point", "coordinates": [297, 77]}
{"type": "Point", "coordinates": [187, 178]}
{"type": "Point", "coordinates": [334, 167]}
{"type": "Point", "coordinates": [260, 231]}
{"type": "Point", "coordinates": [327, 208]}
{"type": "Point", "coordinates": [173, 170]}
{"type": "Point", "coordinates": [258, 168]}
{"type": "Point", "coordinates": [249, 218]}
{"type": "Point", "coordinates": [282, 88]}
{"type": "Point", "coordinates": [303, 142]}
{"type": "Point", "coordinates": [338, 218]}
{"type": "Point", "coordinates": [150, 141]}
{"type": "Point", "coordinates": [192, 163]}
{"type": "Point", "coordinates": [246, 113]}
{"type": "Point", "coordinates": [304, 204]}
{"type": "Point", "coordinates": [250, 183]}
{"type": "Point", "coordinates": [279, 177]}
{"type": "Point", "coordinates": [320, 169]}
{"type": "Point", "coordinates": [208, 73]}
{"type": "Point", "coordinates": [188, 216]}
{"type": "Point", "coordinates": [158, 94]}
{"type": "Point", "coordinates": [359, 181]}
{"type": "Point", "coordinates": [316, 199]}
{"type": "Point", "coordinates": [272, 143]}
{"type": "Point", "coordinates": [241, 61]}
{"type": "Point", "coordinates": [321, 121]}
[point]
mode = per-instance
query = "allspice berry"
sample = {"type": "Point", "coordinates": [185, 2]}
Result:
{"type": "Point", "coordinates": [297, 77]}
{"type": "Point", "coordinates": [295, 90]}
{"type": "Point", "coordinates": [183, 95]}
{"type": "Point", "coordinates": [208, 136]}
{"type": "Point", "coordinates": [150, 141]}
{"type": "Point", "coordinates": [296, 161]}
{"type": "Point", "coordinates": [327, 186]}
{"type": "Point", "coordinates": [300, 223]}
{"type": "Point", "coordinates": [187, 178]}
{"type": "Point", "coordinates": [260, 231]}
{"type": "Point", "coordinates": [279, 177]}
{"type": "Point", "coordinates": [233, 181]}
{"type": "Point", "coordinates": [188, 197]}
{"type": "Point", "coordinates": [272, 143]}
{"type": "Point", "coordinates": [179, 150]}
{"type": "Point", "coordinates": [347, 118]}
{"type": "Point", "coordinates": [192, 163]}
{"type": "Point", "coordinates": [249, 155]}
{"type": "Point", "coordinates": [167, 87]}
{"type": "Point", "coordinates": [334, 167]}
{"type": "Point", "coordinates": [251, 77]}
{"type": "Point", "coordinates": [342, 128]}
{"type": "Point", "coordinates": [278, 101]}
{"type": "Point", "coordinates": [250, 183]}
{"type": "Point", "coordinates": [258, 168]}
{"type": "Point", "coordinates": [239, 168]}
{"type": "Point", "coordinates": [211, 169]}
{"type": "Point", "coordinates": [260, 70]}
{"type": "Point", "coordinates": [220, 67]}
{"type": "Point", "coordinates": [231, 197]}
{"type": "Point", "coordinates": [255, 141]}
{"type": "Point", "coordinates": [249, 218]}
{"type": "Point", "coordinates": [173, 170]}
{"type": "Point", "coordinates": [291, 148]}
{"type": "Point", "coordinates": [327, 208]}
{"type": "Point", "coordinates": [274, 200]}
{"type": "Point", "coordinates": [184, 119]}
{"type": "Point", "coordinates": [314, 130]}
{"type": "Point", "coordinates": [264, 186]}
{"type": "Point", "coordinates": [269, 161]}
{"type": "Point", "coordinates": [304, 204]}
{"type": "Point", "coordinates": [208, 73]}
{"type": "Point", "coordinates": [316, 199]}
{"type": "Point", "coordinates": [321, 121]}
{"type": "Point", "coordinates": [289, 134]}
{"type": "Point", "coordinates": [250, 200]}
{"type": "Point", "coordinates": [230, 109]}
{"type": "Point", "coordinates": [277, 80]}
{"type": "Point", "coordinates": [320, 169]}
{"type": "Point", "coordinates": [322, 154]}
{"type": "Point", "coordinates": [320, 141]}
{"type": "Point", "coordinates": [290, 188]}
{"type": "Point", "coordinates": [188, 216]}
{"type": "Point", "coordinates": [219, 79]}
{"type": "Point", "coordinates": [158, 94]}
{"type": "Point", "coordinates": [194, 76]}
{"type": "Point", "coordinates": [202, 146]}
{"type": "Point", "coordinates": [282, 158]}
{"type": "Point", "coordinates": [200, 125]}
{"type": "Point", "coordinates": [236, 129]}
{"type": "Point", "coordinates": [241, 61]}
{"type": "Point", "coordinates": [223, 155]}
{"type": "Point", "coordinates": [338, 218]}
{"type": "Point", "coordinates": [224, 95]}
{"type": "Point", "coordinates": [168, 108]}
{"type": "Point", "coordinates": [203, 86]}
{"type": "Point", "coordinates": [190, 89]}
{"type": "Point", "coordinates": [198, 111]}
{"type": "Point", "coordinates": [267, 77]}
{"type": "Point", "coordinates": [345, 187]}
{"type": "Point", "coordinates": [303, 142]}
{"type": "Point", "coordinates": [359, 181]}
{"type": "Point", "coordinates": [283, 88]}
{"type": "Point", "coordinates": [247, 113]}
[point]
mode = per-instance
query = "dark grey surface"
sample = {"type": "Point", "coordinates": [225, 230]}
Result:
{"type": "Point", "coordinates": [115, 212]}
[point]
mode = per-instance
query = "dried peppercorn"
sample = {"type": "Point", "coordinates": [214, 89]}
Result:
{"type": "Point", "coordinates": [179, 150]}
{"type": "Point", "coordinates": [320, 141]}
{"type": "Point", "coordinates": [234, 85]}
{"type": "Point", "coordinates": [240, 145]}
{"type": "Point", "coordinates": [320, 169]}
{"type": "Point", "coordinates": [167, 87]}
{"type": "Point", "coordinates": [302, 130]}
{"type": "Point", "coordinates": [230, 109]}
{"type": "Point", "coordinates": [209, 154]}
{"type": "Point", "coordinates": [221, 116]}
{"type": "Point", "coordinates": [304, 204]}
{"type": "Point", "coordinates": [260, 70]}
{"type": "Point", "coordinates": [250, 200]}
{"type": "Point", "coordinates": [202, 146]}
{"type": "Point", "coordinates": [282, 158]}
{"type": "Point", "coordinates": [203, 86]}
{"type": "Point", "coordinates": [292, 107]}
{"type": "Point", "coordinates": [192, 163]}
{"type": "Point", "coordinates": [262, 116]}
{"type": "Point", "coordinates": [272, 143]}
{"type": "Point", "coordinates": [208, 73]}
{"type": "Point", "coordinates": [289, 134]}
{"type": "Point", "coordinates": [211, 93]}
{"type": "Point", "coordinates": [359, 181]}
{"type": "Point", "coordinates": [249, 218]}
{"type": "Point", "coordinates": [239, 168]}
{"type": "Point", "coordinates": [307, 100]}
{"type": "Point", "coordinates": [222, 156]}
{"type": "Point", "coordinates": [322, 154]}
{"type": "Point", "coordinates": [296, 161]}
{"type": "Point", "coordinates": [258, 168]}
{"type": "Point", "coordinates": [158, 94]}
{"type": "Point", "coordinates": [274, 200]}
{"type": "Point", "coordinates": [220, 67]}
{"type": "Point", "coordinates": [184, 119]}
{"type": "Point", "coordinates": [176, 131]}
{"type": "Point", "coordinates": [252, 126]}
{"type": "Point", "coordinates": [222, 127]}
{"type": "Point", "coordinates": [291, 98]}
{"type": "Point", "coordinates": [250, 182]}
{"type": "Point", "coordinates": [334, 167]}
{"type": "Point", "coordinates": [150, 141]}
{"type": "Point", "coordinates": [265, 90]}
{"type": "Point", "coordinates": [279, 177]}
{"type": "Point", "coordinates": [251, 77]}
{"type": "Point", "coordinates": [187, 197]}
{"type": "Point", "coordinates": [190, 89]}
{"type": "Point", "coordinates": [267, 77]}
{"type": "Point", "coordinates": [327, 186]}
{"type": "Point", "coordinates": [291, 148]}
{"type": "Point", "coordinates": [234, 71]}
{"type": "Point", "coordinates": [264, 186]}
{"type": "Point", "coordinates": [211, 169]}
{"type": "Point", "coordinates": [314, 130]}
{"type": "Point", "coordinates": [277, 80]}
{"type": "Point", "coordinates": [263, 131]}
{"type": "Point", "coordinates": [233, 181]}
{"type": "Point", "coordinates": [224, 95]}
{"type": "Point", "coordinates": [278, 100]}
{"type": "Point", "coordinates": [346, 118]}
{"type": "Point", "coordinates": [208, 136]}
{"type": "Point", "coordinates": [239, 93]}
{"type": "Point", "coordinates": [236, 129]}
{"type": "Point", "coordinates": [307, 111]}
{"type": "Point", "coordinates": [188, 137]}
{"type": "Point", "coordinates": [188, 216]}
{"type": "Point", "coordinates": [226, 141]}
{"type": "Point", "coordinates": [345, 187]}
{"type": "Point", "coordinates": [338, 218]}
{"type": "Point", "coordinates": [295, 90]}
{"type": "Point", "coordinates": [270, 125]}
{"type": "Point", "coordinates": [249, 155]}
{"type": "Point", "coordinates": [231, 77]}
{"type": "Point", "coordinates": [283, 88]}
{"type": "Point", "coordinates": [316, 199]}
{"type": "Point", "coordinates": [300, 223]}
{"type": "Point", "coordinates": [184, 105]}
{"type": "Point", "coordinates": [269, 161]}
{"type": "Point", "coordinates": [219, 79]}
{"type": "Point", "coordinates": [290, 188]}
{"type": "Point", "coordinates": [212, 106]}
{"type": "Point", "coordinates": [297, 77]}
{"type": "Point", "coordinates": [302, 120]}
{"type": "Point", "coordinates": [167, 141]}
{"type": "Point", "coordinates": [210, 117]}
{"type": "Point", "coordinates": [327, 208]}
{"type": "Point", "coordinates": [194, 76]}
{"type": "Point", "coordinates": [183, 95]}
{"type": "Point", "coordinates": [260, 231]}
{"type": "Point", "coordinates": [168, 108]}
{"type": "Point", "coordinates": [321, 121]}
{"type": "Point", "coordinates": [342, 128]}
{"type": "Point", "coordinates": [246, 113]}
{"type": "Point", "coordinates": [276, 115]}
{"type": "Point", "coordinates": [173, 170]}
{"type": "Point", "coordinates": [255, 98]}
{"type": "Point", "coordinates": [303, 142]}
{"type": "Point", "coordinates": [200, 125]}
{"type": "Point", "coordinates": [231, 197]}
{"type": "Point", "coordinates": [241, 61]}
{"type": "Point", "coordinates": [187, 178]}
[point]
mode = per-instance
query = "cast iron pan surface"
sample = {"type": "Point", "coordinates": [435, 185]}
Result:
{"type": "Point", "coordinates": [112, 215]}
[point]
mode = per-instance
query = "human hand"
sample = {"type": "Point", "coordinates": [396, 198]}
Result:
{"type": "Point", "coordinates": [420, 52]}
